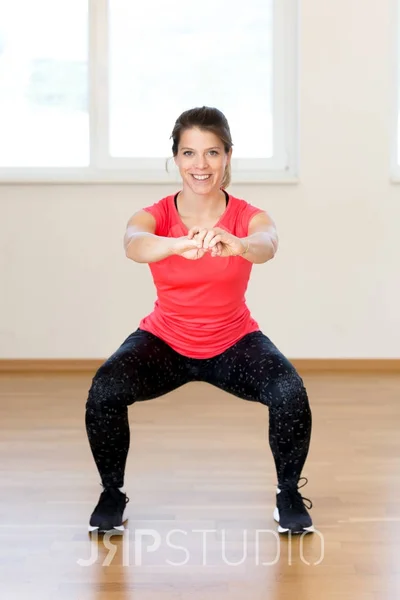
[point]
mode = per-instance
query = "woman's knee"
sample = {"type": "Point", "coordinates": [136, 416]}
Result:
{"type": "Point", "coordinates": [286, 391]}
{"type": "Point", "coordinates": [107, 388]}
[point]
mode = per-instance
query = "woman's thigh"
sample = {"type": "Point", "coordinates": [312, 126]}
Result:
{"type": "Point", "coordinates": [255, 369]}
{"type": "Point", "coordinates": [143, 367]}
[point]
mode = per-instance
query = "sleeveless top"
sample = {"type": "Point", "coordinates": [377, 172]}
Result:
{"type": "Point", "coordinates": [201, 308]}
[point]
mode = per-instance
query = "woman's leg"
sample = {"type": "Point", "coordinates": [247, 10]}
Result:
{"type": "Point", "coordinates": [254, 369]}
{"type": "Point", "coordinates": [144, 367]}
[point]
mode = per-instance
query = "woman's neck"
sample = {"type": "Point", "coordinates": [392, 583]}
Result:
{"type": "Point", "coordinates": [201, 205]}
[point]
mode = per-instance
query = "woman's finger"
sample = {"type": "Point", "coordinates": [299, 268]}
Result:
{"type": "Point", "coordinates": [199, 237]}
{"type": "Point", "coordinates": [210, 235]}
{"type": "Point", "coordinates": [215, 240]}
{"type": "Point", "coordinates": [193, 231]}
{"type": "Point", "coordinates": [217, 249]}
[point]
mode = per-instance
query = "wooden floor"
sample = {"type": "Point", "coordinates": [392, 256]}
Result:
{"type": "Point", "coordinates": [200, 460]}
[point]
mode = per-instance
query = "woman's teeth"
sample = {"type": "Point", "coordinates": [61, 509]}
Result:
{"type": "Point", "coordinates": [201, 177]}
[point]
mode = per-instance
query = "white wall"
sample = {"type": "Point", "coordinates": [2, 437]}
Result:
{"type": "Point", "coordinates": [333, 289]}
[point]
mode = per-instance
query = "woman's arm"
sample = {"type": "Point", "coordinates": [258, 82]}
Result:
{"type": "Point", "coordinates": [262, 240]}
{"type": "Point", "coordinates": [259, 246]}
{"type": "Point", "coordinates": [143, 246]}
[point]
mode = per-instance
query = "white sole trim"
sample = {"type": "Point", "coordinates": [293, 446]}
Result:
{"type": "Point", "coordinates": [310, 529]}
{"type": "Point", "coordinates": [117, 529]}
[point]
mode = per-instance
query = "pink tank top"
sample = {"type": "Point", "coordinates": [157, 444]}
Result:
{"type": "Point", "coordinates": [201, 308]}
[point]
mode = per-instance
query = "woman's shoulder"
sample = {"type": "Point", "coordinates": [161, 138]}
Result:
{"type": "Point", "coordinates": [241, 214]}
{"type": "Point", "coordinates": [162, 211]}
{"type": "Point", "coordinates": [243, 207]}
{"type": "Point", "coordinates": [161, 204]}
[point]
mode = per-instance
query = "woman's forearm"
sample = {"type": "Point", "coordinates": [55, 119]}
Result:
{"type": "Point", "coordinates": [143, 247]}
{"type": "Point", "coordinates": [262, 247]}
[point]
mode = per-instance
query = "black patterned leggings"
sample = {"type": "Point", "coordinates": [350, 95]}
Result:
{"type": "Point", "coordinates": [145, 367]}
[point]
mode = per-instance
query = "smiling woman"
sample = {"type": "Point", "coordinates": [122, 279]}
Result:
{"type": "Point", "coordinates": [200, 328]}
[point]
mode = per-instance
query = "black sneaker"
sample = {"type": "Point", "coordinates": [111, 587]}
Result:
{"type": "Point", "coordinates": [107, 516]}
{"type": "Point", "coordinates": [291, 512]}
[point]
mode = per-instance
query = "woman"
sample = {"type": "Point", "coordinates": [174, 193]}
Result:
{"type": "Point", "coordinates": [200, 328]}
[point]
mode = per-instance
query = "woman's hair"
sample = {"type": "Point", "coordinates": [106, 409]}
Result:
{"type": "Point", "coordinates": [207, 119]}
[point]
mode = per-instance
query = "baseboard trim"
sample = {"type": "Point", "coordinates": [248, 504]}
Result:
{"type": "Point", "coordinates": [301, 364]}
{"type": "Point", "coordinates": [375, 365]}
{"type": "Point", "coordinates": [50, 365]}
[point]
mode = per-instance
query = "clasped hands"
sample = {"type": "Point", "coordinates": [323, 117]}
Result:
{"type": "Point", "coordinates": [215, 241]}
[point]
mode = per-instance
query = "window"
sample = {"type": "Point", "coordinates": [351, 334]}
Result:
{"type": "Point", "coordinates": [91, 91]}
{"type": "Point", "coordinates": [44, 119]}
{"type": "Point", "coordinates": [396, 121]}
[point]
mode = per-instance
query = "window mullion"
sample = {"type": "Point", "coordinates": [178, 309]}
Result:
{"type": "Point", "coordinates": [99, 83]}
{"type": "Point", "coordinates": [285, 86]}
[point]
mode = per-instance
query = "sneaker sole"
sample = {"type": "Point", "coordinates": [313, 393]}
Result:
{"type": "Point", "coordinates": [118, 529]}
{"type": "Point", "coordinates": [310, 529]}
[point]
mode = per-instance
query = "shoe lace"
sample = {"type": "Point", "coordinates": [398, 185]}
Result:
{"type": "Point", "coordinates": [293, 497]}
{"type": "Point", "coordinates": [112, 496]}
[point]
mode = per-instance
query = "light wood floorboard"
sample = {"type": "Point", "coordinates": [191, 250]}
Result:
{"type": "Point", "coordinates": [200, 460]}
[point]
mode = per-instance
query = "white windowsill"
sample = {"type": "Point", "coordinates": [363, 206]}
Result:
{"type": "Point", "coordinates": [86, 176]}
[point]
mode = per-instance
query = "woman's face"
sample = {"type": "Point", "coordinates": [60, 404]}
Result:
{"type": "Point", "coordinates": [201, 160]}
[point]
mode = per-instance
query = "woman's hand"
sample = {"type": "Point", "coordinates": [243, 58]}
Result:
{"type": "Point", "coordinates": [217, 241]}
{"type": "Point", "coordinates": [189, 248]}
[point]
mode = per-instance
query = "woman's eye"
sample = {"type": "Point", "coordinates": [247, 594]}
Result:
{"type": "Point", "coordinates": [190, 153]}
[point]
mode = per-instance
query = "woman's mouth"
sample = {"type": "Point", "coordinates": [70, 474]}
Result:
{"type": "Point", "coordinates": [200, 177]}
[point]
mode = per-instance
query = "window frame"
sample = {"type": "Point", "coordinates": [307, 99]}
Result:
{"type": "Point", "coordinates": [103, 168]}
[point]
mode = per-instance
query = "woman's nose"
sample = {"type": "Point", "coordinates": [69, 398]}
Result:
{"type": "Point", "coordinates": [201, 161]}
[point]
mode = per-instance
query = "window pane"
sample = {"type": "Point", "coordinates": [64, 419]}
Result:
{"type": "Point", "coordinates": [43, 83]}
{"type": "Point", "coordinates": [168, 56]}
